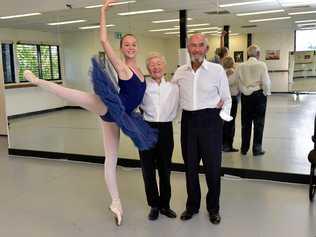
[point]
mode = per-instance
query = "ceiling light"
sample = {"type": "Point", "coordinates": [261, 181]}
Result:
{"type": "Point", "coordinates": [172, 33]}
{"type": "Point", "coordinates": [303, 21]}
{"type": "Point", "coordinates": [194, 25]}
{"type": "Point", "coordinates": [165, 29]}
{"type": "Point", "coordinates": [202, 24]}
{"type": "Point", "coordinates": [271, 19]}
{"type": "Point", "coordinates": [307, 24]}
{"type": "Point", "coordinates": [244, 3]}
{"type": "Point", "coordinates": [258, 13]}
{"type": "Point", "coordinates": [65, 22]}
{"type": "Point", "coordinates": [139, 12]}
{"type": "Point", "coordinates": [308, 28]}
{"type": "Point", "coordinates": [295, 3]}
{"type": "Point", "coordinates": [208, 32]}
{"type": "Point", "coordinates": [171, 20]}
{"type": "Point", "coordinates": [207, 28]}
{"type": "Point", "coordinates": [301, 13]}
{"type": "Point", "coordinates": [93, 27]}
{"type": "Point", "coordinates": [18, 16]}
{"type": "Point", "coordinates": [112, 4]}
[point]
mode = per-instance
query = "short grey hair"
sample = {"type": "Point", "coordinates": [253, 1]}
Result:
{"type": "Point", "coordinates": [204, 39]}
{"type": "Point", "coordinates": [253, 50]}
{"type": "Point", "coordinates": [155, 55]}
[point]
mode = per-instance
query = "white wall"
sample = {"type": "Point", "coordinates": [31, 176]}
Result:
{"type": "Point", "coordinates": [283, 41]}
{"type": "Point", "coordinates": [24, 100]}
{"type": "Point", "coordinates": [3, 117]}
{"type": "Point", "coordinates": [79, 47]}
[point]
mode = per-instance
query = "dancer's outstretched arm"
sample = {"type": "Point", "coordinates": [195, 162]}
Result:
{"type": "Point", "coordinates": [120, 67]}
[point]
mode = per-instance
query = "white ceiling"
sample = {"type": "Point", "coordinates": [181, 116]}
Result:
{"type": "Point", "coordinates": [56, 11]}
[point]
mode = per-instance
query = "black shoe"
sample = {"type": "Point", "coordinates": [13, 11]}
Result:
{"type": "Point", "coordinates": [215, 218]}
{"type": "Point", "coordinates": [168, 212]}
{"type": "Point", "coordinates": [153, 214]}
{"type": "Point", "coordinates": [187, 215]}
{"type": "Point", "coordinates": [226, 148]}
{"type": "Point", "coordinates": [243, 152]}
{"type": "Point", "coordinates": [259, 153]}
{"type": "Point", "coordinates": [231, 149]}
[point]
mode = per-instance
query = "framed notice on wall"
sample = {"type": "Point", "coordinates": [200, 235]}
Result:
{"type": "Point", "coordinates": [273, 54]}
{"type": "Point", "coordinates": [239, 56]}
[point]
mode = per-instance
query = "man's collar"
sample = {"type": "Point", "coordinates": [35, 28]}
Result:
{"type": "Point", "coordinates": [203, 65]}
{"type": "Point", "coordinates": [253, 59]}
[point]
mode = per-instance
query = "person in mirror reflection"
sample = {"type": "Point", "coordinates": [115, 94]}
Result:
{"type": "Point", "coordinates": [116, 109]}
{"type": "Point", "coordinates": [254, 85]}
{"type": "Point", "coordinates": [203, 88]}
{"type": "Point", "coordinates": [229, 127]}
{"type": "Point", "coordinates": [221, 52]}
{"type": "Point", "coordinates": [160, 105]}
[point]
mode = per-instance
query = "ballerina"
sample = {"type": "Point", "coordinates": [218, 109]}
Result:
{"type": "Point", "coordinates": [115, 109]}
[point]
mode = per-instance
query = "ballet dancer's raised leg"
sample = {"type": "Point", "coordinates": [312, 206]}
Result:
{"type": "Point", "coordinates": [88, 101]}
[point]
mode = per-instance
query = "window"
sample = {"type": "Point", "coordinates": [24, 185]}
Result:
{"type": "Point", "coordinates": [42, 60]}
{"type": "Point", "coordinates": [27, 58]}
{"type": "Point", "coordinates": [8, 62]}
{"type": "Point", "coordinates": [305, 40]}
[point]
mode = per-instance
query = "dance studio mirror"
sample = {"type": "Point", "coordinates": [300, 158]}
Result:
{"type": "Point", "coordinates": [39, 121]}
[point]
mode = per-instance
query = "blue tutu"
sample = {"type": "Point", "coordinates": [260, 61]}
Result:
{"type": "Point", "coordinates": [131, 123]}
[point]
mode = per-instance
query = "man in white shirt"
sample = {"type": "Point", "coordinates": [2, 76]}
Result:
{"type": "Point", "coordinates": [254, 85]}
{"type": "Point", "coordinates": [160, 105]}
{"type": "Point", "coordinates": [203, 87]}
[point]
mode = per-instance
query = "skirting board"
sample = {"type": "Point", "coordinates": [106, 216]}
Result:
{"type": "Point", "coordinates": [243, 173]}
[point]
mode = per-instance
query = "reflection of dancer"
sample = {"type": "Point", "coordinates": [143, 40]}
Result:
{"type": "Point", "coordinates": [118, 107]}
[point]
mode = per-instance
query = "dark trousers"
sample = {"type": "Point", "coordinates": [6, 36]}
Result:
{"type": "Point", "coordinates": [201, 138]}
{"type": "Point", "coordinates": [253, 109]}
{"type": "Point", "coordinates": [229, 127]}
{"type": "Point", "coordinates": [160, 157]}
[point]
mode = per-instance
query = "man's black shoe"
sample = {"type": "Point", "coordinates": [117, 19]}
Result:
{"type": "Point", "coordinates": [215, 218]}
{"type": "Point", "coordinates": [259, 153]}
{"type": "Point", "coordinates": [168, 212]}
{"type": "Point", "coordinates": [153, 214]}
{"type": "Point", "coordinates": [243, 152]}
{"type": "Point", "coordinates": [187, 215]}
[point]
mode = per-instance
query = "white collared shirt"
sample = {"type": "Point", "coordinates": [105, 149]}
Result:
{"type": "Point", "coordinates": [204, 88]}
{"type": "Point", "coordinates": [161, 101]}
{"type": "Point", "coordinates": [252, 75]}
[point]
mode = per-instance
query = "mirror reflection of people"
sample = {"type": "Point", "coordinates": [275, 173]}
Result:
{"type": "Point", "coordinates": [159, 106]}
{"type": "Point", "coordinates": [221, 52]}
{"type": "Point", "coordinates": [203, 86]}
{"type": "Point", "coordinates": [254, 84]}
{"type": "Point", "coordinates": [229, 127]}
{"type": "Point", "coordinates": [115, 109]}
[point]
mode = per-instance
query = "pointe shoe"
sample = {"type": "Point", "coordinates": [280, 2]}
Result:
{"type": "Point", "coordinates": [117, 213]}
{"type": "Point", "coordinates": [28, 75]}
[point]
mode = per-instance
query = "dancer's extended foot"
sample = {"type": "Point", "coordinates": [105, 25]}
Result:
{"type": "Point", "coordinates": [117, 211]}
{"type": "Point", "coordinates": [28, 75]}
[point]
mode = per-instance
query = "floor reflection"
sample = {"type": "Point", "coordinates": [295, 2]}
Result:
{"type": "Point", "coordinates": [287, 136]}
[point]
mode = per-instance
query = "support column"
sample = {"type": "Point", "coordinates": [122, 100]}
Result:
{"type": "Point", "coordinates": [183, 54]}
{"type": "Point", "coordinates": [249, 39]}
{"type": "Point", "coordinates": [226, 37]}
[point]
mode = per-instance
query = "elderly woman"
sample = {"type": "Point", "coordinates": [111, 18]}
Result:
{"type": "Point", "coordinates": [229, 126]}
{"type": "Point", "coordinates": [159, 106]}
